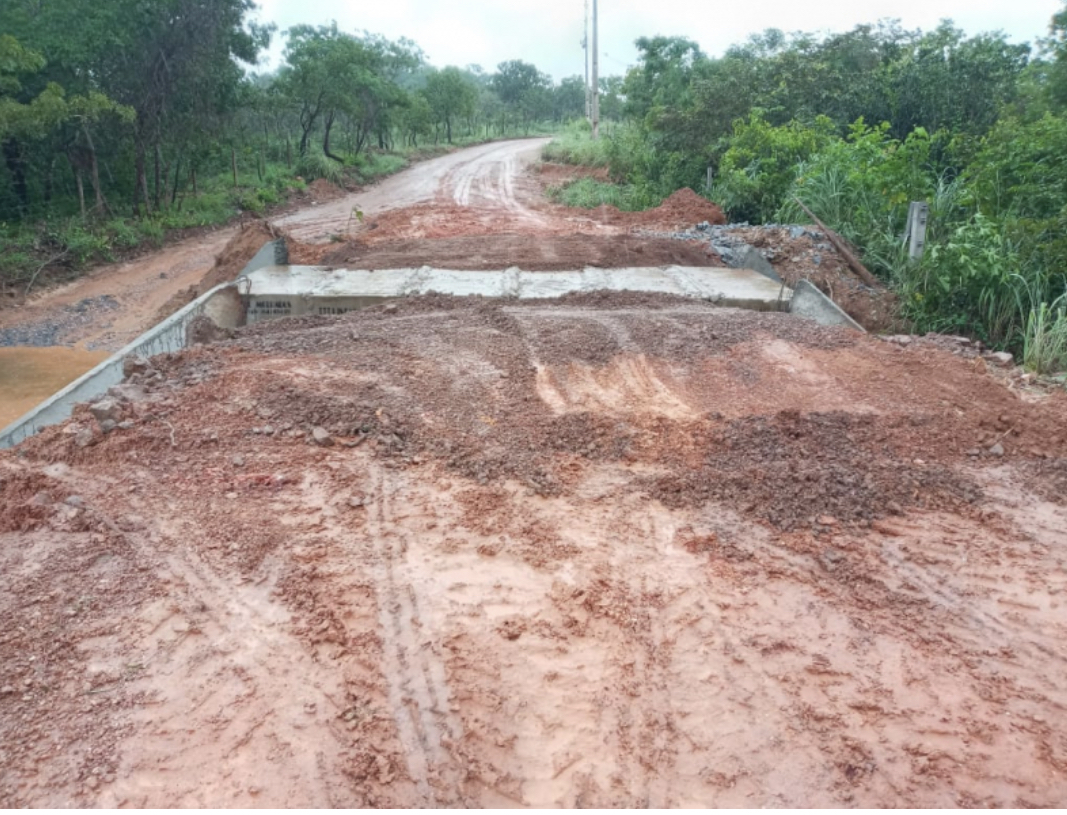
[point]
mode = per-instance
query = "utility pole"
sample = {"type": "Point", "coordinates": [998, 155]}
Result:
{"type": "Point", "coordinates": [596, 74]}
{"type": "Point", "coordinates": [585, 49]}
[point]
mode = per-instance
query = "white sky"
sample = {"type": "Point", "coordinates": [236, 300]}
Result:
{"type": "Point", "coordinates": [548, 33]}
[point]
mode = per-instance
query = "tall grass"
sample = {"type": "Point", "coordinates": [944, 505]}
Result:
{"type": "Point", "coordinates": [576, 146]}
{"type": "Point", "coordinates": [1045, 332]}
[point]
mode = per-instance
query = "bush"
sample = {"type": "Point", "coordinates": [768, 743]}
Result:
{"type": "Point", "coordinates": [576, 146]}
{"type": "Point", "coordinates": [376, 165]}
{"type": "Point", "coordinates": [83, 245]}
{"type": "Point", "coordinates": [123, 233]}
{"type": "Point", "coordinates": [316, 165]}
{"type": "Point", "coordinates": [1045, 332]}
{"type": "Point", "coordinates": [968, 285]}
{"type": "Point", "coordinates": [762, 163]}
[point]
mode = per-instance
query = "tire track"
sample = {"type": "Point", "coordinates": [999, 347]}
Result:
{"type": "Point", "coordinates": [415, 676]}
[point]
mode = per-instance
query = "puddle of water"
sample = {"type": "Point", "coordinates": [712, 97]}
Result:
{"type": "Point", "coordinates": [28, 376]}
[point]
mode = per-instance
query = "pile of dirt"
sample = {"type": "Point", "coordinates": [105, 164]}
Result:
{"type": "Point", "coordinates": [529, 252]}
{"type": "Point", "coordinates": [805, 254]}
{"type": "Point", "coordinates": [249, 239]}
{"type": "Point", "coordinates": [321, 190]}
{"type": "Point", "coordinates": [784, 469]}
{"type": "Point", "coordinates": [682, 210]}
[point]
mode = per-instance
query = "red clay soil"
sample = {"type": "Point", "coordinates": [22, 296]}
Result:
{"type": "Point", "coordinates": [814, 259]}
{"type": "Point", "coordinates": [682, 210]}
{"type": "Point", "coordinates": [613, 550]}
{"type": "Point", "coordinates": [241, 248]}
{"type": "Point", "coordinates": [532, 253]}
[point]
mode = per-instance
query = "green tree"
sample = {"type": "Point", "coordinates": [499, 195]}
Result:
{"type": "Point", "coordinates": [523, 89]}
{"type": "Point", "coordinates": [451, 95]}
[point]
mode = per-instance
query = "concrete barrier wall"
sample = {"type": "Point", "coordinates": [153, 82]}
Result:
{"type": "Point", "coordinates": [811, 304]}
{"type": "Point", "coordinates": [170, 335]}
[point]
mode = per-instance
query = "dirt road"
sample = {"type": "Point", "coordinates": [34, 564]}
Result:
{"type": "Point", "coordinates": [483, 178]}
{"type": "Point", "coordinates": [615, 550]}
{"type": "Point", "coordinates": [108, 308]}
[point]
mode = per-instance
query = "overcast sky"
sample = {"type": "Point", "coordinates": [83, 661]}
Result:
{"type": "Point", "coordinates": [548, 33]}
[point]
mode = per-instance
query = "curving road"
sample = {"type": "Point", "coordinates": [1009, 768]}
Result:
{"type": "Point", "coordinates": [113, 304]}
{"type": "Point", "coordinates": [480, 177]}
{"type": "Point", "coordinates": [62, 332]}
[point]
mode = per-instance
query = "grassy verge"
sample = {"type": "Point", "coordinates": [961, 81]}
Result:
{"type": "Point", "coordinates": [588, 193]}
{"type": "Point", "coordinates": [576, 146]}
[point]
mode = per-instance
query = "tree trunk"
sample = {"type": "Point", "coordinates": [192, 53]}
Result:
{"type": "Point", "coordinates": [233, 163]}
{"type": "Point", "coordinates": [288, 154]}
{"type": "Point", "coordinates": [140, 191]}
{"type": "Point", "coordinates": [326, 139]}
{"type": "Point", "coordinates": [81, 190]}
{"type": "Point", "coordinates": [49, 183]}
{"type": "Point", "coordinates": [94, 172]}
{"type": "Point", "coordinates": [177, 175]}
{"type": "Point", "coordinates": [16, 165]}
{"type": "Point", "coordinates": [448, 127]}
{"type": "Point", "coordinates": [156, 176]}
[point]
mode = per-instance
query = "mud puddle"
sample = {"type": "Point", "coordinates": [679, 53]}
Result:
{"type": "Point", "coordinates": [28, 376]}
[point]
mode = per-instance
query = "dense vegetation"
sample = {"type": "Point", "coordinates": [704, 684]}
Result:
{"type": "Point", "coordinates": [123, 119]}
{"type": "Point", "coordinates": [857, 126]}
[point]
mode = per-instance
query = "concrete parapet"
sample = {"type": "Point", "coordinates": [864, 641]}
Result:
{"type": "Point", "coordinates": [811, 304]}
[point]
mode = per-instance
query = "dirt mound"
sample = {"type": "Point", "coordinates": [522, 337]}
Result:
{"type": "Point", "coordinates": [682, 210]}
{"type": "Point", "coordinates": [249, 239]}
{"type": "Point", "coordinates": [532, 253]}
{"type": "Point", "coordinates": [804, 253]}
{"type": "Point", "coordinates": [321, 190]}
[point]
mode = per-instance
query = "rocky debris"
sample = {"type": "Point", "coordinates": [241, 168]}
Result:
{"type": "Point", "coordinates": [1002, 358]}
{"type": "Point", "coordinates": [322, 437]}
{"type": "Point", "coordinates": [126, 393]}
{"type": "Point", "coordinates": [106, 410]}
{"type": "Point", "coordinates": [997, 450]}
{"type": "Point", "coordinates": [133, 365]}
{"type": "Point", "coordinates": [202, 330]}
{"type": "Point", "coordinates": [791, 253]}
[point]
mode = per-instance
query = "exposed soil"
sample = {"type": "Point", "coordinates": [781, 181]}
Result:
{"type": "Point", "coordinates": [613, 550]}
{"type": "Point", "coordinates": [242, 247]}
{"type": "Point", "coordinates": [544, 253]}
{"type": "Point", "coordinates": [809, 256]}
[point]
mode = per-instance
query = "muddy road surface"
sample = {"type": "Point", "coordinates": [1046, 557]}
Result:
{"type": "Point", "coordinates": [614, 550]}
{"type": "Point", "coordinates": [484, 178]}
{"type": "Point", "coordinates": [112, 305]}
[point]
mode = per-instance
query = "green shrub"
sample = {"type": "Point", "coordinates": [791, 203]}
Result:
{"type": "Point", "coordinates": [123, 233]}
{"type": "Point", "coordinates": [316, 165]}
{"type": "Point", "coordinates": [82, 245]}
{"type": "Point", "coordinates": [576, 146]}
{"type": "Point", "coordinates": [1045, 331]}
{"type": "Point", "coordinates": [968, 284]}
{"type": "Point", "coordinates": [374, 165]}
{"type": "Point", "coordinates": [152, 230]}
{"type": "Point", "coordinates": [762, 163]}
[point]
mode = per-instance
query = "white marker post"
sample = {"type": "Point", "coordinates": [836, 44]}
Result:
{"type": "Point", "coordinates": [918, 216]}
